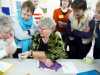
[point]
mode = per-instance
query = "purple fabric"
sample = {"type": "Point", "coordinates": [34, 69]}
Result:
{"type": "Point", "coordinates": [55, 66]}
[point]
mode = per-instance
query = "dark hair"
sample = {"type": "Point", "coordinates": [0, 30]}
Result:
{"type": "Point", "coordinates": [70, 1]}
{"type": "Point", "coordinates": [29, 5]}
{"type": "Point", "coordinates": [79, 4]}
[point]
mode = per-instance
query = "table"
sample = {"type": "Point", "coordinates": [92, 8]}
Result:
{"type": "Point", "coordinates": [30, 67]}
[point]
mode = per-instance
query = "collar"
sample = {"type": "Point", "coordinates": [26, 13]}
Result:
{"type": "Point", "coordinates": [66, 12]}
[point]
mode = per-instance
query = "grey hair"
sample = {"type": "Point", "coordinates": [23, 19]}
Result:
{"type": "Point", "coordinates": [5, 24]}
{"type": "Point", "coordinates": [47, 22]}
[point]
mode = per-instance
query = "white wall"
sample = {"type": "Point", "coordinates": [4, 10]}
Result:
{"type": "Point", "coordinates": [50, 4]}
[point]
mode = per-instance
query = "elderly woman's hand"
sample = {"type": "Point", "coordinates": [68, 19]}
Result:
{"type": "Point", "coordinates": [47, 62]}
{"type": "Point", "coordinates": [39, 55]}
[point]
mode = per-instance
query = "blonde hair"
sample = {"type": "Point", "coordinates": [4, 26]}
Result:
{"type": "Point", "coordinates": [5, 24]}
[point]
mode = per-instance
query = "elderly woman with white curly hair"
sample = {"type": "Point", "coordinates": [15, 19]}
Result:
{"type": "Point", "coordinates": [7, 43]}
{"type": "Point", "coordinates": [47, 45]}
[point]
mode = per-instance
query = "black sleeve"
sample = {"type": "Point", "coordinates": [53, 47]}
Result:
{"type": "Point", "coordinates": [82, 34]}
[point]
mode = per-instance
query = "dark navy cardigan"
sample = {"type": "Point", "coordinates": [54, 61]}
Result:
{"type": "Point", "coordinates": [97, 41]}
{"type": "Point", "coordinates": [80, 34]}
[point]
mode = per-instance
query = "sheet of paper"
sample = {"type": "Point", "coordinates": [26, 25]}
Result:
{"type": "Point", "coordinates": [69, 68]}
{"type": "Point", "coordinates": [4, 66]}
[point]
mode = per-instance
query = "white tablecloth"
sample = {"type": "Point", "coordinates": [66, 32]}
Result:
{"type": "Point", "coordinates": [30, 67]}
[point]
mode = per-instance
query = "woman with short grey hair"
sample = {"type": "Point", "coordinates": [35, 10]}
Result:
{"type": "Point", "coordinates": [7, 43]}
{"type": "Point", "coordinates": [48, 45]}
